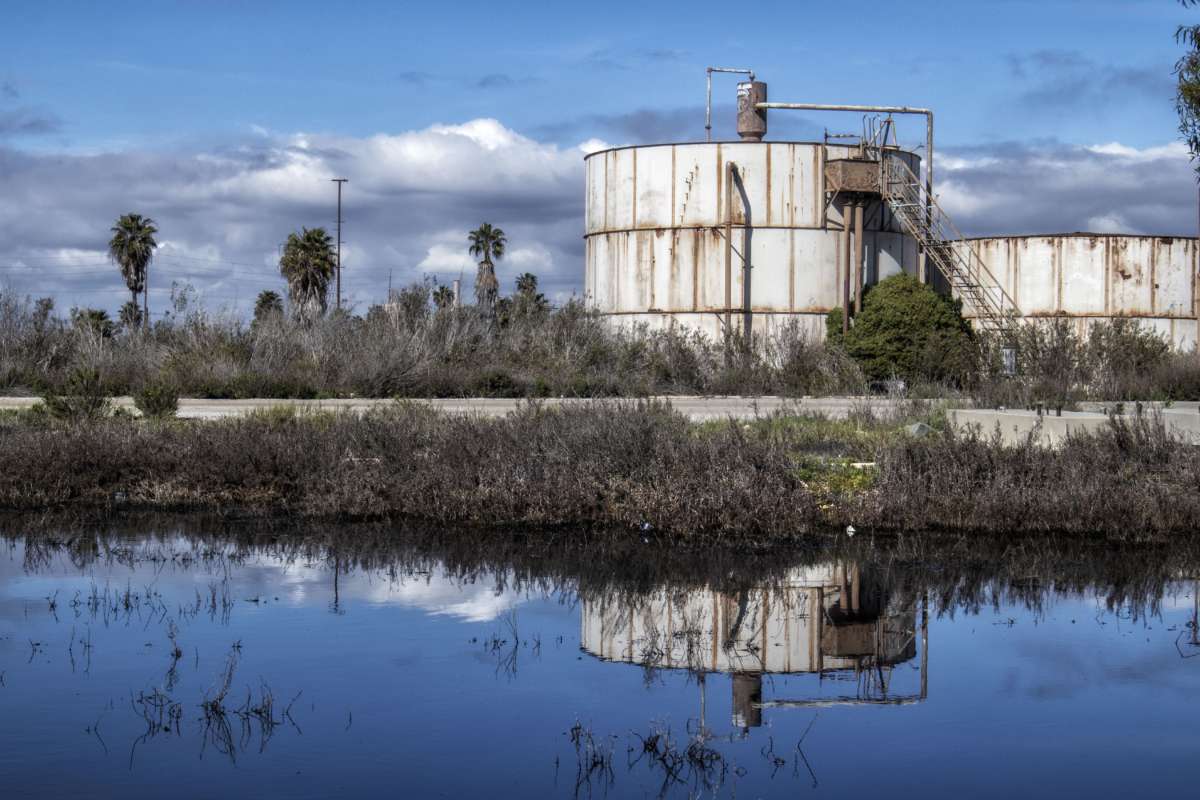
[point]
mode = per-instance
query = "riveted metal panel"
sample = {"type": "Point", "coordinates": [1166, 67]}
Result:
{"type": "Point", "coordinates": [1129, 273]}
{"type": "Point", "coordinates": [710, 249]}
{"type": "Point", "coordinates": [697, 171]}
{"type": "Point", "coordinates": [770, 271]}
{"type": "Point", "coordinates": [816, 263]}
{"type": "Point", "coordinates": [621, 189]}
{"type": "Point", "coordinates": [750, 193]}
{"type": "Point", "coordinates": [654, 187]}
{"type": "Point", "coordinates": [1174, 276]}
{"type": "Point", "coordinates": [1081, 280]}
{"type": "Point", "coordinates": [1037, 274]}
{"type": "Point", "coordinates": [594, 193]}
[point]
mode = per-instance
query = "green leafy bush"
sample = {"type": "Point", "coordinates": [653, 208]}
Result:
{"type": "Point", "coordinates": [907, 330]}
{"type": "Point", "coordinates": [157, 399]}
{"type": "Point", "coordinates": [83, 397]}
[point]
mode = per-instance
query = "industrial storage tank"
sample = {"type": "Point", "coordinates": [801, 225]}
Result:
{"type": "Point", "coordinates": [1090, 277]}
{"type": "Point", "coordinates": [655, 235]}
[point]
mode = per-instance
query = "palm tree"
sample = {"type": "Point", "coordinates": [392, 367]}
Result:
{"type": "Point", "coordinates": [528, 298]}
{"type": "Point", "coordinates": [527, 284]}
{"type": "Point", "coordinates": [487, 243]}
{"type": "Point", "coordinates": [130, 316]}
{"type": "Point", "coordinates": [132, 247]}
{"type": "Point", "coordinates": [94, 320]}
{"type": "Point", "coordinates": [268, 304]}
{"type": "Point", "coordinates": [308, 264]}
{"type": "Point", "coordinates": [443, 297]}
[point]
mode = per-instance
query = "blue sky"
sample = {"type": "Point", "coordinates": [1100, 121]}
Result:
{"type": "Point", "coordinates": [223, 102]}
{"type": "Point", "coordinates": [118, 73]}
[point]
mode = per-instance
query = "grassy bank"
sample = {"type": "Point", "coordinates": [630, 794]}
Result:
{"type": "Point", "coordinates": [639, 468]}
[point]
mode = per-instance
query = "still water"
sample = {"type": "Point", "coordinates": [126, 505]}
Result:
{"type": "Point", "coordinates": [172, 664]}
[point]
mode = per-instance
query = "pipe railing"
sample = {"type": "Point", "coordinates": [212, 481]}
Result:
{"type": "Point", "coordinates": [708, 96]}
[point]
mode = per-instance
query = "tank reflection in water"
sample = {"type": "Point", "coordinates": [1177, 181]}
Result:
{"type": "Point", "coordinates": [831, 620]}
{"type": "Point", "coordinates": [340, 665]}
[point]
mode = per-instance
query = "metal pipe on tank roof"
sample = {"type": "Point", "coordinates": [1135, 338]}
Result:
{"type": "Point", "coordinates": [708, 96]}
{"type": "Point", "coordinates": [925, 112]}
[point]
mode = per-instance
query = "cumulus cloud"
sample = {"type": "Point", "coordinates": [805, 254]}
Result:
{"type": "Point", "coordinates": [226, 208]}
{"type": "Point", "coordinates": [1051, 187]}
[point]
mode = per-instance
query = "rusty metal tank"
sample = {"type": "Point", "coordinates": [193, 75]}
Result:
{"type": "Point", "coordinates": [655, 247]}
{"type": "Point", "coordinates": [1089, 277]}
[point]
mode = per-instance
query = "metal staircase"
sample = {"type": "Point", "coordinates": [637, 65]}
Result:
{"type": "Point", "coordinates": [923, 219]}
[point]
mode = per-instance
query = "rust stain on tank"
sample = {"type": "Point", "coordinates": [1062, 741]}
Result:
{"type": "Point", "coordinates": [1119, 263]}
{"type": "Point", "coordinates": [671, 208]}
{"type": "Point", "coordinates": [768, 176]}
{"type": "Point", "coordinates": [643, 269]}
{"type": "Point", "coordinates": [633, 217]}
{"type": "Point", "coordinates": [688, 183]}
{"type": "Point", "coordinates": [695, 272]}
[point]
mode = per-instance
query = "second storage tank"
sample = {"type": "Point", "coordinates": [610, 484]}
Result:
{"type": "Point", "coordinates": [1091, 277]}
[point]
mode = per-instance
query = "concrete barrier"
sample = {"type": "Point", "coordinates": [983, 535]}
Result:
{"type": "Point", "coordinates": [1016, 425]}
{"type": "Point", "coordinates": [693, 407]}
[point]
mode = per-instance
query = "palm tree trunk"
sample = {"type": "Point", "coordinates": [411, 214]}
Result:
{"type": "Point", "coordinates": [145, 298]}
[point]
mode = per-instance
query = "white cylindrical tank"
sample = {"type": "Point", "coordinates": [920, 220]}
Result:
{"type": "Point", "coordinates": [655, 250]}
{"type": "Point", "coordinates": [1090, 277]}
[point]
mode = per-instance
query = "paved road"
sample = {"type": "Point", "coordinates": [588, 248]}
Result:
{"type": "Point", "coordinates": [696, 408]}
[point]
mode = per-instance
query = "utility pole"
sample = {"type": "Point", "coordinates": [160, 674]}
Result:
{"type": "Point", "coordinates": [339, 182]}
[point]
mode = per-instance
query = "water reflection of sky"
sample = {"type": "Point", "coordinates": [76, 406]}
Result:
{"type": "Point", "coordinates": [418, 683]}
{"type": "Point", "coordinates": [293, 583]}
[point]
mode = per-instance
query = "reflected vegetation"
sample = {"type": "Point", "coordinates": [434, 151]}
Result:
{"type": "Point", "coordinates": [175, 644]}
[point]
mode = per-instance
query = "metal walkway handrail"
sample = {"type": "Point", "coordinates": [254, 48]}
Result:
{"type": "Point", "coordinates": [923, 219]}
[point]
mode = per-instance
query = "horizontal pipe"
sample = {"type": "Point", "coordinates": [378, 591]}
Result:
{"type": "Point", "coordinates": [841, 701]}
{"type": "Point", "coordinates": [749, 72]}
{"type": "Point", "coordinates": [826, 107]}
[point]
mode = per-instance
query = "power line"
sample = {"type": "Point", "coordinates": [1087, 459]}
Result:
{"type": "Point", "coordinates": [339, 182]}
{"type": "Point", "coordinates": [161, 254]}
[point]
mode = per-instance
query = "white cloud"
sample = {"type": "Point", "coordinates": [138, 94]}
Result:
{"type": "Point", "coordinates": [223, 210]}
{"type": "Point", "coordinates": [531, 259]}
{"type": "Point", "coordinates": [446, 258]}
{"type": "Point", "coordinates": [593, 146]}
{"type": "Point", "coordinates": [1109, 223]}
{"type": "Point", "coordinates": [1174, 150]}
{"type": "Point", "coordinates": [1050, 187]}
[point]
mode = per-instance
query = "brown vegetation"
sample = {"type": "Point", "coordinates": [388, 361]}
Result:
{"type": "Point", "coordinates": [638, 468]}
{"type": "Point", "coordinates": [418, 348]}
